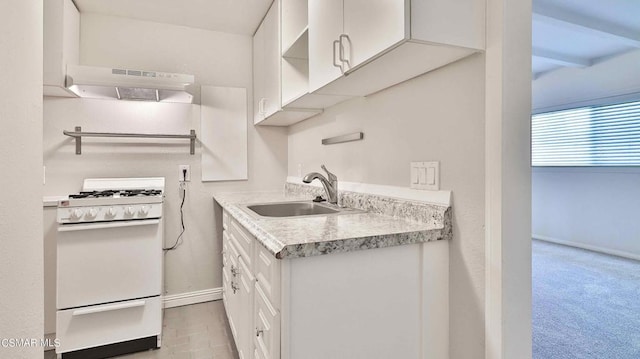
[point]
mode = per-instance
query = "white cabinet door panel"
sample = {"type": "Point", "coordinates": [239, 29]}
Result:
{"type": "Point", "coordinates": [325, 27]}
{"type": "Point", "coordinates": [258, 74]}
{"type": "Point", "coordinates": [267, 327]}
{"type": "Point", "coordinates": [223, 133]}
{"type": "Point", "coordinates": [272, 58]}
{"type": "Point", "coordinates": [372, 26]}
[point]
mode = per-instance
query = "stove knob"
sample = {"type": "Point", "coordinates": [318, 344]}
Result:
{"type": "Point", "coordinates": [92, 213]}
{"type": "Point", "coordinates": [129, 211]}
{"type": "Point", "coordinates": [76, 214]}
{"type": "Point", "coordinates": [111, 212]}
{"type": "Point", "coordinates": [144, 210]}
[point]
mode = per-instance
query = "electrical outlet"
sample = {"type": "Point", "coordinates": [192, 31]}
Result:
{"type": "Point", "coordinates": [184, 173]}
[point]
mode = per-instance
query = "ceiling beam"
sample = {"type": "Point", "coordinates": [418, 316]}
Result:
{"type": "Point", "coordinates": [586, 25]}
{"type": "Point", "coordinates": [560, 59]}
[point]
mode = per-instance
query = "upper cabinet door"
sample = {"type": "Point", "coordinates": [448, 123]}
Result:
{"type": "Point", "coordinates": [61, 31]}
{"type": "Point", "coordinates": [325, 28]}
{"type": "Point", "coordinates": [372, 26]}
{"type": "Point", "coordinates": [272, 58]}
{"type": "Point", "coordinates": [258, 75]}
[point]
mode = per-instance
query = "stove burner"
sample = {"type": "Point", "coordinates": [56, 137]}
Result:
{"type": "Point", "coordinates": [93, 194]}
{"type": "Point", "coordinates": [122, 193]}
{"type": "Point", "coordinates": [140, 192]}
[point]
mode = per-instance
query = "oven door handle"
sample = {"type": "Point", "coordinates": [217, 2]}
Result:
{"type": "Point", "coordinates": [103, 225]}
{"type": "Point", "coordinates": [108, 308]}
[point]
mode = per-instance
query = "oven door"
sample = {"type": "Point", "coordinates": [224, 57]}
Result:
{"type": "Point", "coordinates": [108, 262]}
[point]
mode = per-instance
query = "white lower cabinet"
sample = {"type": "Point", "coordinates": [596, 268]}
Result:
{"type": "Point", "coordinates": [380, 303]}
{"type": "Point", "coordinates": [249, 271]}
{"type": "Point", "coordinates": [267, 326]}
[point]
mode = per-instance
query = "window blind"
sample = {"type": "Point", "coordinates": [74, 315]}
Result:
{"type": "Point", "coordinates": [588, 136]}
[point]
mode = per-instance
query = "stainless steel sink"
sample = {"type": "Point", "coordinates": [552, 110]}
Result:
{"type": "Point", "coordinates": [291, 209]}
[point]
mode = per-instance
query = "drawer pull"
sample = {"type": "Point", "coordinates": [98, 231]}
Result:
{"type": "Point", "coordinates": [235, 287]}
{"type": "Point", "coordinates": [138, 303]}
{"type": "Point", "coordinates": [234, 270]}
{"type": "Point", "coordinates": [259, 332]}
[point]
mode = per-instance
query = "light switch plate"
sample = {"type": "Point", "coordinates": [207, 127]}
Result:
{"type": "Point", "coordinates": [425, 175]}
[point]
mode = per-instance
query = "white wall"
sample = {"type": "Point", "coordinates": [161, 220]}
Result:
{"type": "Point", "coordinates": [215, 59]}
{"type": "Point", "coordinates": [438, 116]}
{"type": "Point", "coordinates": [595, 207]}
{"type": "Point", "coordinates": [21, 271]}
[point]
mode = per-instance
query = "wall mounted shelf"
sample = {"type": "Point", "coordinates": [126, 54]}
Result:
{"type": "Point", "coordinates": [78, 134]}
{"type": "Point", "coordinates": [356, 136]}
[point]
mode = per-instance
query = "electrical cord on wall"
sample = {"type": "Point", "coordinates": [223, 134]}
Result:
{"type": "Point", "coordinates": [184, 195]}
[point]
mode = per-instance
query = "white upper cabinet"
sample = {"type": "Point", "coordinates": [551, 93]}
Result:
{"type": "Point", "coordinates": [61, 45]}
{"type": "Point", "coordinates": [268, 76]}
{"type": "Point", "coordinates": [259, 70]}
{"type": "Point", "coordinates": [272, 58]}
{"type": "Point", "coordinates": [325, 28]}
{"type": "Point", "coordinates": [370, 27]}
{"type": "Point", "coordinates": [346, 33]}
{"type": "Point", "coordinates": [312, 54]}
{"type": "Point", "coordinates": [358, 47]}
{"type": "Point", "coordinates": [296, 92]}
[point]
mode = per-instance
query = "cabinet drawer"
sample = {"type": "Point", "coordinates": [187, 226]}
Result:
{"type": "Point", "coordinates": [230, 296]}
{"type": "Point", "coordinates": [243, 239]}
{"type": "Point", "coordinates": [96, 325]}
{"type": "Point", "coordinates": [267, 327]}
{"type": "Point", "coordinates": [225, 248]}
{"type": "Point", "coordinates": [267, 271]}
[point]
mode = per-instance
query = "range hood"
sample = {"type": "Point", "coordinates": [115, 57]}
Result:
{"type": "Point", "coordinates": [127, 84]}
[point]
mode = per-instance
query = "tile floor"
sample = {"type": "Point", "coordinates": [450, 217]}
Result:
{"type": "Point", "coordinates": [191, 332]}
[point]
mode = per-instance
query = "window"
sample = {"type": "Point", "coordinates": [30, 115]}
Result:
{"type": "Point", "coordinates": [588, 136]}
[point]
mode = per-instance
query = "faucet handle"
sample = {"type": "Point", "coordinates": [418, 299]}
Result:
{"type": "Point", "coordinates": [331, 176]}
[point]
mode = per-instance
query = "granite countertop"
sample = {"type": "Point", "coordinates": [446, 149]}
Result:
{"type": "Point", "coordinates": [294, 237]}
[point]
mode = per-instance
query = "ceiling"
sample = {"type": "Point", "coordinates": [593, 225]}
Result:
{"type": "Point", "coordinates": [231, 16]}
{"type": "Point", "coordinates": [579, 33]}
{"type": "Point", "coordinates": [574, 33]}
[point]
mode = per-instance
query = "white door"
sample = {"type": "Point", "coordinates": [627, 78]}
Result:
{"type": "Point", "coordinates": [259, 70]}
{"type": "Point", "coordinates": [272, 60]}
{"type": "Point", "coordinates": [108, 262]}
{"type": "Point", "coordinates": [371, 27]}
{"type": "Point", "coordinates": [325, 27]}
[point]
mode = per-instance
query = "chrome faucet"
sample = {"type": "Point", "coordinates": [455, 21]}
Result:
{"type": "Point", "coordinates": [330, 185]}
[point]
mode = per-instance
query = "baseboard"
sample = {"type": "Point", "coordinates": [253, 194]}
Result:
{"type": "Point", "coordinates": [200, 296]}
{"type": "Point", "coordinates": [612, 252]}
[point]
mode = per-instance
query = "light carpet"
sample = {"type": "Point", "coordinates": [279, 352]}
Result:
{"type": "Point", "coordinates": [585, 304]}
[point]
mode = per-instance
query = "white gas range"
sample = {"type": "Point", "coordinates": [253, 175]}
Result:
{"type": "Point", "coordinates": [109, 268]}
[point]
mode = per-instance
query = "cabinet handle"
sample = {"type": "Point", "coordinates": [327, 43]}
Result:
{"type": "Point", "coordinates": [234, 270]}
{"type": "Point", "coordinates": [336, 64]}
{"type": "Point", "coordinates": [117, 306]}
{"type": "Point", "coordinates": [342, 57]}
{"type": "Point", "coordinates": [261, 106]}
{"type": "Point", "coordinates": [259, 332]}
